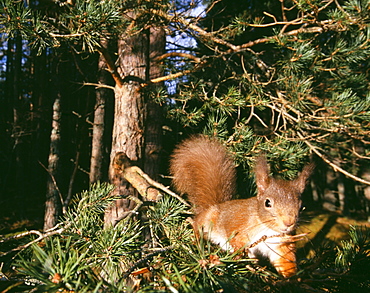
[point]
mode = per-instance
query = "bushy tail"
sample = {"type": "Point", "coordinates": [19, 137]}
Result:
{"type": "Point", "coordinates": [203, 169]}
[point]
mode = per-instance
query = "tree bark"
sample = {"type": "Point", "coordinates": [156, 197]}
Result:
{"type": "Point", "coordinates": [98, 133]}
{"type": "Point", "coordinates": [128, 126]}
{"type": "Point", "coordinates": [53, 204]}
{"type": "Point", "coordinates": [153, 123]}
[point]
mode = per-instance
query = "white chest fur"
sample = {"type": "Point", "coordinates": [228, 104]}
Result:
{"type": "Point", "coordinates": [263, 242]}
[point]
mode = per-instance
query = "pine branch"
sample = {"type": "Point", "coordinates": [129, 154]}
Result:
{"type": "Point", "coordinates": [176, 75]}
{"type": "Point", "coordinates": [139, 180]}
{"type": "Point", "coordinates": [145, 259]}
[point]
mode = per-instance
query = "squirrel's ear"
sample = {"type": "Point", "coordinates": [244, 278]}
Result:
{"type": "Point", "coordinates": [262, 173]}
{"type": "Point", "coordinates": [301, 181]}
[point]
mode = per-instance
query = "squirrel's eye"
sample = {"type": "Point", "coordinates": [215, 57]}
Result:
{"type": "Point", "coordinates": [268, 203]}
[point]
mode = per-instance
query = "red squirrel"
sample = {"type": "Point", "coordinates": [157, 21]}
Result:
{"type": "Point", "coordinates": [202, 168]}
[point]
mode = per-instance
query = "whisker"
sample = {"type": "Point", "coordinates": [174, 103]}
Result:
{"type": "Point", "coordinates": [279, 254]}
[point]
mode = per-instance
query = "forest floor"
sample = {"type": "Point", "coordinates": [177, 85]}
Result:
{"type": "Point", "coordinates": [324, 226]}
{"type": "Point", "coordinates": [328, 225]}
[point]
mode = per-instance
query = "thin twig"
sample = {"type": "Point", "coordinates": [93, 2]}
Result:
{"type": "Point", "coordinates": [178, 54]}
{"type": "Point", "coordinates": [160, 186]}
{"type": "Point", "coordinates": [177, 74]}
{"type": "Point", "coordinates": [40, 237]}
{"type": "Point", "coordinates": [68, 35]}
{"type": "Point", "coordinates": [282, 239]}
{"type": "Point", "coordinates": [111, 66]}
{"type": "Point", "coordinates": [20, 235]}
{"type": "Point", "coordinates": [138, 202]}
{"type": "Point", "coordinates": [72, 179]}
{"type": "Point", "coordinates": [145, 259]}
{"type": "Point", "coordinates": [99, 85]}
{"type": "Point", "coordinates": [330, 163]}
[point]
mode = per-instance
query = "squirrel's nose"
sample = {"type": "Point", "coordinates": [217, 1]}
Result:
{"type": "Point", "coordinates": [289, 222]}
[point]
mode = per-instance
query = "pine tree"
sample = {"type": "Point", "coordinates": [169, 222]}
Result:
{"type": "Point", "coordinates": [283, 78]}
{"type": "Point", "coordinates": [287, 79]}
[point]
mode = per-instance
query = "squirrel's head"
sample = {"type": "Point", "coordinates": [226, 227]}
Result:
{"type": "Point", "coordinates": [279, 201]}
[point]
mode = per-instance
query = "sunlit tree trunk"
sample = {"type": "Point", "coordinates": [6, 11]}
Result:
{"type": "Point", "coordinates": [153, 129]}
{"type": "Point", "coordinates": [129, 114]}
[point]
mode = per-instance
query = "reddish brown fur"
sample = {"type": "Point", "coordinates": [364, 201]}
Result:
{"type": "Point", "coordinates": [208, 180]}
{"type": "Point", "coordinates": [203, 169]}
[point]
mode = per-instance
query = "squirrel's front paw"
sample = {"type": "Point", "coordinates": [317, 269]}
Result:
{"type": "Point", "coordinates": [286, 268]}
{"type": "Point", "coordinates": [285, 261]}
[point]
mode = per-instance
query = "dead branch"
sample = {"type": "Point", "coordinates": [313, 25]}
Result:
{"type": "Point", "coordinates": [330, 163]}
{"type": "Point", "coordinates": [160, 186]}
{"type": "Point", "coordinates": [178, 54]}
{"type": "Point", "coordinates": [111, 66]}
{"type": "Point", "coordinates": [186, 23]}
{"type": "Point", "coordinates": [171, 76]}
{"type": "Point", "coordinates": [178, 74]}
{"type": "Point", "coordinates": [140, 180]}
{"type": "Point", "coordinates": [40, 237]}
{"type": "Point", "coordinates": [99, 85]}
{"type": "Point", "coordinates": [72, 179]}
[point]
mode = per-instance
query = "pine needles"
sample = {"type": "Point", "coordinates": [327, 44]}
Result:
{"type": "Point", "coordinates": [84, 257]}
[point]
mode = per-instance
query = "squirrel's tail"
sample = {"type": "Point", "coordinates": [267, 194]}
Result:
{"type": "Point", "coordinates": [202, 169]}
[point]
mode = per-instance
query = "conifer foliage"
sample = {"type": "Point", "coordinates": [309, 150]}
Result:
{"type": "Point", "coordinates": [284, 78]}
{"type": "Point", "coordinates": [287, 78]}
{"type": "Point", "coordinates": [84, 257]}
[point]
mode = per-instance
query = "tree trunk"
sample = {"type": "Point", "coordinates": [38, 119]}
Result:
{"type": "Point", "coordinates": [98, 133]}
{"type": "Point", "coordinates": [128, 126]}
{"type": "Point", "coordinates": [18, 126]}
{"type": "Point", "coordinates": [53, 204]}
{"type": "Point", "coordinates": [153, 124]}
{"type": "Point", "coordinates": [9, 80]}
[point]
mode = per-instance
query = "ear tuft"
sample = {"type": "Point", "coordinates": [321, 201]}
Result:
{"type": "Point", "coordinates": [303, 177]}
